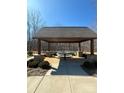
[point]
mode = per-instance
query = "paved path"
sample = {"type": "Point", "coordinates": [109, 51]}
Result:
{"type": "Point", "coordinates": [65, 77]}
{"type": "Point", "coordinates": [67, 68]}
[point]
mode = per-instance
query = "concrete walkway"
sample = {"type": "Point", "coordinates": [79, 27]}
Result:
{"type": "Point", "coordinates": [68, 67]}
{"type": "Point", "coordinates": [65, 77]}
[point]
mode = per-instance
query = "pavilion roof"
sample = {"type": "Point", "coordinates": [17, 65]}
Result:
{"type": "Point", "coordinates": [69, 34]}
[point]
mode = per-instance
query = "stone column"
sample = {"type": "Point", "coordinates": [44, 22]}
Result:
{"type": "Point", "coordinates": [48, 46]}
{"type": "Point", "coordinates": [39, 46]}
{"type": "Point", "coordinates": [79, 46]}
{"type": "Point", "coordinates": [79, 53]}
{"type": "Point", "coordinates": [92, 47]}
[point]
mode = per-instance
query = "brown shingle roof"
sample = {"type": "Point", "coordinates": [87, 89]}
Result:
{"type": "Point", "coordinates": [66, 32]}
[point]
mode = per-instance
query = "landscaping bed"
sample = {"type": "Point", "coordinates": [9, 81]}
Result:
{"type": "Point", "coordinates": [92, 72]}
{"type": "Point", "coordinates": [36, 71]}
{"type": "Point", "coordinates": [90, 68]}
{"type": "Point", "coordinates": [36, 66]}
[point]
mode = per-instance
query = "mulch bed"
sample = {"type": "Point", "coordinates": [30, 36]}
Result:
{"type": "Point", "coordinates": [36, 71]}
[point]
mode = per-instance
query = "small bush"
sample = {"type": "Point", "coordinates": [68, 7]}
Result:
{"type": "Point", "coordinates": [49, 55]}
{"type": "Point", "coordinates": [33, 64]}
{"type": "Point", "coordinates": [39, 58]}
{"type": "Point", "coordinates": [90, 65]}
{"type": "Point", "coordinates": [30, 61]}
{"type": "Point", "coordinates": [30, 53]}
{"type": "Point", "coordinates": [44, 65]}
{"type": "Point", "coordinates": [84, 55]}
{"type": "Point", "coordinates": [54, 54]}
{"type": "Point", "coordinates": [95, 64]}
{"type": "Point", "coordinates": [40, 64]}
{"type": "Point", "coordinates": [72, 53]}
{"type": "Point", "coordinates": [86, 64]}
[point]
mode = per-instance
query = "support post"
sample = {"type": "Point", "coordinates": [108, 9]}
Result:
{"type": "Point", "coordinates": [48, 46]}
{"type": "Point", "coordinates": [92, 47]}
{"type": "Point", "coordinates": [39, 46]}
{"type": "Point", "coordinates": [79, 46]}
{"type": "Point", "coordinates": [69, 47]}
{"type": "Point", "coordinates": [79, 54]}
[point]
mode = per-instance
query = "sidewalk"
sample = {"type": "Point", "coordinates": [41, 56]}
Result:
{"type": "Point", "coordinates": [62, 84]}
{"type": "Point", "coordinates": [68, 77]}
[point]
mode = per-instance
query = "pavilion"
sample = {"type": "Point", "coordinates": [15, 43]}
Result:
{"type": "Point", "coordinates": [65, 35]}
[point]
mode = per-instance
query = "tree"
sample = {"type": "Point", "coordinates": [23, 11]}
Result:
{"type": "Point", "coordinates": [28, 32]}
{"type": "Point", "coordinates": [34, 23]}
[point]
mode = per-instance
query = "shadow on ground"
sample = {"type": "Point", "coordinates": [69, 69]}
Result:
{"type": "Point", "coordinates": [69, 67]}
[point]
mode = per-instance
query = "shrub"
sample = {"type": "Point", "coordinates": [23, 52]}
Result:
{"type": "Point", "coordinates": [92, 57]}
{"type": "Point", "coordinates": [33, 64]}
{"type": "Point", "coordinates": [49, 55]}
{"type": "Point", "coordinates": [95, 64]}
{"type": "Point", "coordinates": [39, 58]}
{"type": "Point", "coordinates": [86, 64]}
{"type": "Point", "coordinates": [90, 65]}
{"type": "Point", "coordinates": [72, 53]}
{"type": "Point", "coordinates": [30, 61]}
{"type": "Point", "coordinates": [40, 64]}
{"type": "Point", "coordinates": [44, 65]}
{"type": "Point", "coordinates": [84, 55]}
{"type": "Point", "coordinates": [30, 53]}
{"type": "Point", "coordinates": [54, 54]}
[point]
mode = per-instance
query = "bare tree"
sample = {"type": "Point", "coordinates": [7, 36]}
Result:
{"type": "Point", "coordinates": [34, 23]}
{"type": "Point", "coordinates": [36, 20]}
{"type": "Point", "coordinates": [28, 32]}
